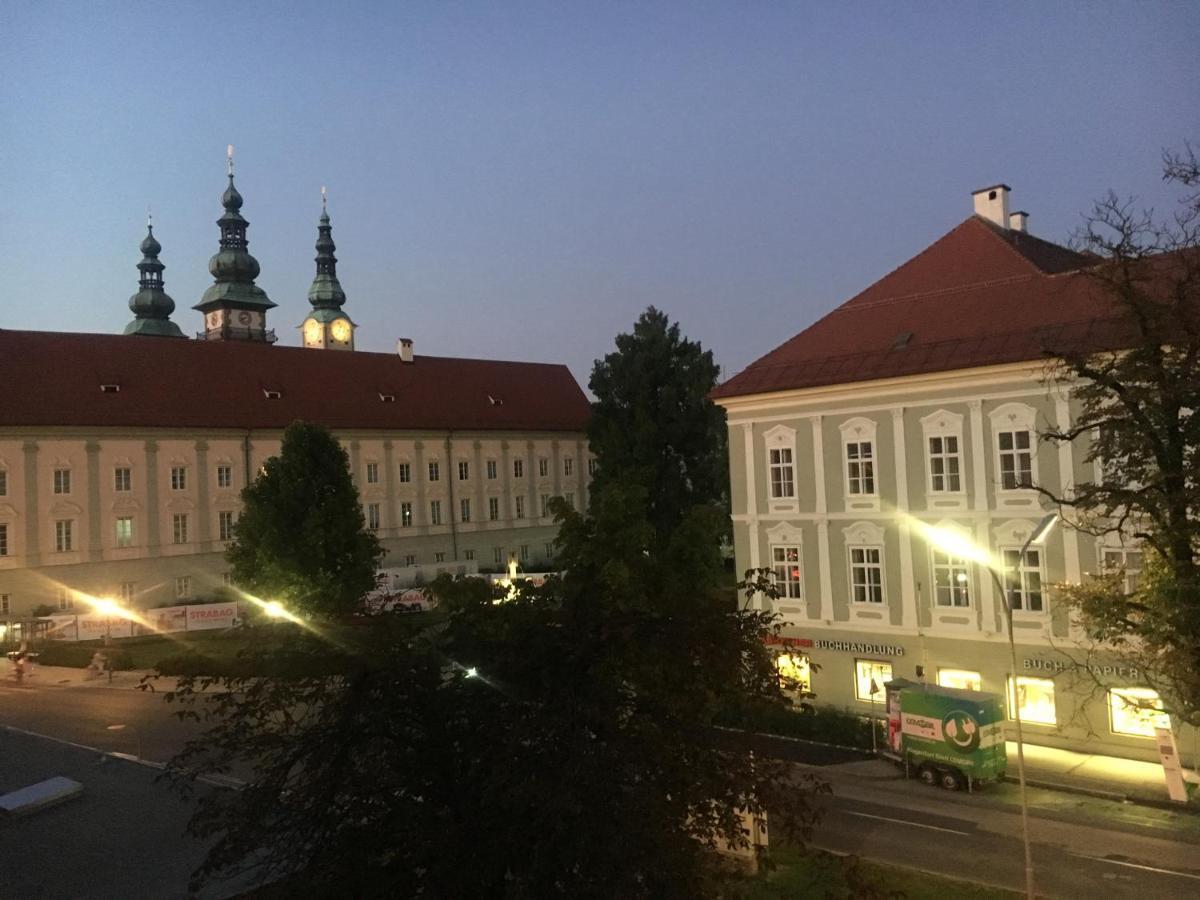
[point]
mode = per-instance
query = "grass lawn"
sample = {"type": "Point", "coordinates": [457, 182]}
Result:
{"type": "Point", "coordinates": [819, 874]}
{"type": "Point", "coordinates": [148, 651]}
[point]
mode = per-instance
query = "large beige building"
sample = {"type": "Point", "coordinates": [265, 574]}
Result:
{"type": "Point", "coordinates": [122, 457]}
{"type": "Point", "coordinates": [918, 405]}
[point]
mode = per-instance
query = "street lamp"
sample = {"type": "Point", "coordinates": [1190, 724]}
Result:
{"type": "Point", "coordinates": [949, 542]}
{"type": "Point", "coordinates": [109, 608]}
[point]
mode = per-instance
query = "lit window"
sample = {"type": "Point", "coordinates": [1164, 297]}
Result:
{"type": "Point", "coordinates": [179, 528]}
{"type": "Point", "coordinates": [795, 673]}
{"type": "Point", "coordinates": [951, 580]}
{"type": "Point", "coordinates": [464, 471]}
{"type": "Point", "coordinates": [1016, 460]}
{"type": "Point", "coordinates": [786, 562]}
{"type": "Point", "coordinates": [1126, 562]}
{"type": "Point", "coordinates": [493, 508]}
{"type": "Point", "coordinates": [464, 509]}
{"type": "Point", "coordinates": [372, 473]}
{"type": "Point", "coordinates": [435, 512]}
{"type": "Point", "coordinates": [373, 516]}
{"type": "Point", "coordinates": [225, 525]}
{"type": "Point", "coordinates": [3, 539]}
{"type": "Point", "coordinates": [868, 674]}
{"type": "Point", "coordinates": [491, 469]}
{"type": "Point", "coordinates": [866, 574]}
{"type": "Point", "coordinates": [568, 466]}
{"type": "Point", "coordinates": [519, 507]}
{"type": "Point", "coordinates": [518, 468]}
{"type": "Point", "coordinates": [62, 481]}
{"type": "Point", "coordinates": [1023, 580]}
{"type": "Point", "coordinates": [960, 678]}
{"type": "Point", "coordinates": [178, 478]}
{"type": "Point", "coordinates": [124, 531]}
{"type": "Point", "coordinates": [860, 467]}
{"type": "Point", "coordinates": [406, 515]}
{"type": "Point", "coordinates": [944, 464]}
{"type": "Point", "coordinates": [1035, 700]}
{"type": "Point", "coordinates": [1136, 711]}
{"type": "Point", "coordinates": [122, 480]}
{"type": "Point", "coordinates": [435, 471]}
{"type": "Point", "coordinates": [405, 473]}
{"type": "Point", "coordinates": [783, 480]}
{"type": "Point", "coordinates": [63, 535]}
{"type": "Point", "coordinates": [224, 476]}
{"type": "Point", "coordinates": [183, 587]}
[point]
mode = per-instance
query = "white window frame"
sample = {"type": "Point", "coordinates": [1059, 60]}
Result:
{"type": "Point", "coordinates": [126, 539]}
{"type": "Point", "coordinates": [492, 470]}
{"type": "Point", "coordinates": [944, 424]}
{"type": "Point", "coordinates": [405, 473]}
{"type": "Point", "coordinates": [439, 556]}
{"type": "Point", "coordinates": [5, 604]}
{"type": "Point", "coordinates": [179, 528]}
{"type": "Point", "coordinates": [4, 548]}
{"type": "Point", "coordinates": [469, 554]}
{"type": "Point", "coordinates": [524, 553]}
{"type": "Point", "coordinates": [122, 479]}
{"type": "Point", "coordinates": [519, 467]}
{"type": "Point", "coordinates": [493, 509]}
{"type": "Point", "coordinates": [1133, 698]}
{"type": "Point", "coordinates": [593, 465]}
{"type": "Point", "coordinates": [179, 478]}
{"type": "Point", "coordinates": [497, 555]}
{"type": "Point", "coordinates": [3, 482]}
{"type": "Point", "coordinates": [464, 509]}
{"type": "Point", "coordinates": [1021, 581]}
{"type": "Point", "coordinates": [867, 565]}
{"type": "Point", "coordinates": [963, 679]}
{"type": "Point", "coordinates": [225, 522]}
{"type": "Point", "coordinates": [464, 470]}
{"type": "Point", "coordinates": [62, 481]}
{"type": "Point", "coordinates": [406, 514]}
{"type": "Point", "coordinates": [183, 587]}
{"type": "Point", "coordinates": [568, 466]}
{"type": "Point", "coordinates": [856, 432]}
{"type": "Point", "coordinates": [786, 558]}
{"type": "Point", "coordinates": [373, 516]}
{"type": "Point", "coordinates": [779, 456]}
{"type": "Point", "coordinates": [127, 591]}
{"type": "Point", "coordinates": [435, 512]}
{"type": "Point", "coordinates": [960, 581]}
{"type": "Point", "coordinates": [518, 507]}
{"type": "Point", "coordinates": [64, 535]}
{"type": "Point", "coordinates": [224, 476]}
{"type": "Point", "coordinates": [1014, 418]}
{"type": "Point", "coordinates": [543, 467]}
{"type": "Point", "coordinates": [435, 470]}
{"type": "Point", "coordinates": [1132, 574]}
{"type": "Point", "coordinates": [372, 473]}
{"type": "Point", "coordinates": [545, 504]}
{"type": "Point", "coordinates": [1026, 718]}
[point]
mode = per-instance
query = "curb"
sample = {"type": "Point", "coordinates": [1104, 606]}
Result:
{"type": "Point", "coordinates": [1115, 796]}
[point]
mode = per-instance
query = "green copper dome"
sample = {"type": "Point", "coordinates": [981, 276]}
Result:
{"type": "Point", "coordinates": [326, 291]}
{"type": "Point", "coordinates": [232, 267]}
{"type": "Point", "coordinates": [151, 306]}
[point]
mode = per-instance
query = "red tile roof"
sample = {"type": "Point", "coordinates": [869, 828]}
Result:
{"type": "Point", "coordinates": [978, 296]}
{"type": "Point", "coordinates": [55, 378]}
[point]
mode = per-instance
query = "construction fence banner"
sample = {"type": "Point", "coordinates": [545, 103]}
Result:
{"type": "Point", "coordinates": [166, 619]}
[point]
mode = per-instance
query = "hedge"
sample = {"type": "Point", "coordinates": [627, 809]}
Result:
{"type": "Point", "coordinates": [823, 724]}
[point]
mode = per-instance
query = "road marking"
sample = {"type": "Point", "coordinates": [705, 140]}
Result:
{"type": "Point", "coordinates": [864, 815]}
{"type": "Point", "coordinates": [1133, 865]}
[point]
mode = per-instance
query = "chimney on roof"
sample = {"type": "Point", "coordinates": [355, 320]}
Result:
{"type": "Point", "coordinates": [404, 347]}
{"type": "Point", "coordinates": [991, 203]}
{"type": "Point", "coordinates": [1019, 221]}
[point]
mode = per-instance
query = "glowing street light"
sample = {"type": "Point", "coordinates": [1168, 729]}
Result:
{"type": "Point", "coordinates": [472, 672]}
{"type": "Point", "coordinates": [955, 544]}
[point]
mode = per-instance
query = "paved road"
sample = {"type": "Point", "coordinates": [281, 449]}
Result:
{"type": "Point", "coordinates": [86, 714]}
{"type": "Point", "coordinates": [971, 838]}
{"type": "Point", "coordinates": [1083, 848]}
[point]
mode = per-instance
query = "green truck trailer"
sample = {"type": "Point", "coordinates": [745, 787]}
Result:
{"type": "Point", "coordinates": [945, 736]}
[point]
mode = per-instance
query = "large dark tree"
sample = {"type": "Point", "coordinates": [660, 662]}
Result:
{"type": "Point", "coordinates": [301, 538]}
{"type": "Point", "coordinates": [653, 424]}
{"type": "Point", "coordinates": [557, 741]}
{"type": "Point", "coordinates": [1139, 406]}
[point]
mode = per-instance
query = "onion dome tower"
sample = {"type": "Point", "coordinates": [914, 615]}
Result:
{"type": "Point", "coordinates": [234, 307]}
{"type": "Point", "coordinates": [327, 327]}
{"type": "Point", "coordinates": [151, 306]}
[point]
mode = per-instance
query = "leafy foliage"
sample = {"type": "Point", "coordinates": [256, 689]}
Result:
{"type": "Point", "coordinates": [301, 538]}
{"type": "Point", "coordinates": [653, 424]}
{"type": "Point", "coordinates": [1139, 408]}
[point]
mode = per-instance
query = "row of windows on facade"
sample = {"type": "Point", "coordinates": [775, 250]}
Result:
{"type": "Point", "coordinates": [64, 531]}
{"type": "Point", "coordinates": [1133, 711]}
{"type": "Point", "coordinates": [951, 575]}
{"type": "Point", "coordinates": [944, 467]}
{"type": "Point", "coordinates": [374, 511]}
{"type": "Point", "coordinates": [499, 555]}
{"type": "Point", "coordinates": [123, 475]}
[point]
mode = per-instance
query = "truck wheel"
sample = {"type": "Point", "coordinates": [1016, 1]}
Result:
{"type": "Point", "coordinates": [950, 779]}
{"type": "Point", "coordinates": [928, 774]}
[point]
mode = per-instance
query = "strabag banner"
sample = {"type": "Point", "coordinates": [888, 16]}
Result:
{"type": "Point", "coordinates": [211, 615]}
{"type": "Point", "coordinates": [95, 626]}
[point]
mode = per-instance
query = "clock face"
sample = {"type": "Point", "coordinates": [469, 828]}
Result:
{"type": "Point", "coordinates": [244, 318]}
{"type": "Point", "coordinates": [312, 331]}
{"type": "Point", "coordinates": [214, 319]}
{"type": "Point", "coordinates": [340, 330]}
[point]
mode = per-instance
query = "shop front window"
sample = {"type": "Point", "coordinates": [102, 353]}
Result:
{"type": "Point", "coordinates": [960, 678]}
{"type": "Point", "coordinates": [1034, 699]}
{"type": "Point", "coordinates": [795, 674]}
{"type": "Point", "coordinates": [1136, 711]}
{"type": "Point", "coordinates": [870, 673]}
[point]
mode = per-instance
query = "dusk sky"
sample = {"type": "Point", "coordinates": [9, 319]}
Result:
{"type": "Point", "coordinates": [520, 181]}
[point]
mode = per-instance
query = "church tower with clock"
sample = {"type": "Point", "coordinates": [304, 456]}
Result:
{"type": "Point", "coordinates": [327, 327]}
{"type": "Point", "coordinates": [234, 307]}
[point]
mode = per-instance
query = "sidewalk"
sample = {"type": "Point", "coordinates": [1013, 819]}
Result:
{"type": "Point", "coordinates": [68, 676]}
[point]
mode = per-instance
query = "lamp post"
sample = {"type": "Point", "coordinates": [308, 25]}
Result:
{"type": "Point", "coordinates": [953, 544]}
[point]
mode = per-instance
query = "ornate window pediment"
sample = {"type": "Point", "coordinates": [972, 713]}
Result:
{"type": "Point", "coordinates": [863, 533]}
{"type": "Point", "coordinates": [784, 533]}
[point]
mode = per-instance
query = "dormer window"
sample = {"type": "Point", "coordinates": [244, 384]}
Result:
{"type": "Point", "coordinates": [272, 394]}
{"type": "Point", "coordinates": [387, 398]}
{"type": "Point", "coordinates": [111, 388]}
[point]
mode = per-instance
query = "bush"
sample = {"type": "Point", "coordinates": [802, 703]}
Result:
{"type": "Point", "coordinates": [824, 724]}
{"type": "Point", "coordinates": [79, 656]}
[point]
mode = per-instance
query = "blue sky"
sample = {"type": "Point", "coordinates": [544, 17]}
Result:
{"type": "Point", "coordinates": [520, 180]}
